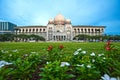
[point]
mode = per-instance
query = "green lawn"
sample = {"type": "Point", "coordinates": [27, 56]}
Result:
{"type": "Point", "coordinates": [70, 47]}
{"type": "Point", "coordinates": [32, 61]}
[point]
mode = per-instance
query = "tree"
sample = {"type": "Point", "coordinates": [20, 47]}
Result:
{"type": "Point", "coordinates": [7, 37]}
{"type": "Point", "coordinates": [37, 38]}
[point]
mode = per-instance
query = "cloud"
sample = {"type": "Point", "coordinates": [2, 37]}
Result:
{"type": "Point", "coordinates": [81, 12]}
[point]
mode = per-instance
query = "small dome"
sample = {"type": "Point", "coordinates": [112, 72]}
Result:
{"type": "Point", "coordinates": [68, 21]}
{"type": "Point", "coordinates": [51, 21]}
{"type": "Point", "coordinates": [59, 19]}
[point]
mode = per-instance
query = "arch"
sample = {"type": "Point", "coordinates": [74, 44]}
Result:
{"type": "Point", "coordinates": [89, 30]}
{"type": "Point", "coordinates": [33, 30]}
{"type": "Point", "coordinates": [85, 30]}
{"type": "Point", "coordinates": [37, 30]}
{"type": "Point", "coordinates": [82, 30]}
{"type": "Point", "coordinates": [40, 29]}
{"type": "Point", "coordinates": [29, 30]}
{"type": "Point", "coordinates": [92, 30]}
{"type": "Point", "coordinates": [78, 30]}
{"type": "Point", "coordinates": [44, 30]}
{"type": "Point", "coordinates": [23, 30]}
{"type": "Point", "coordinates": [26, 30]}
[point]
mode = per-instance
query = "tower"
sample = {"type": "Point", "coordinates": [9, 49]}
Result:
{"type": "Point", "coordinates": [59, 29]}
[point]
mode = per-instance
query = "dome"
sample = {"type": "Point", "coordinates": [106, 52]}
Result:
{"type": "Point", "coordinates": [51, 21]}
{"type": "Point", "coordinates": [68, 21]}
{"type": "Point", "coordinates": [59, 19]}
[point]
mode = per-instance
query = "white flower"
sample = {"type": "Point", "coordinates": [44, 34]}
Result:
{"type": "Point", "coordinates": [83, 52]}
{"type": "Point", "coordinates": [3, 51]}
{"type": "Point", "coordinates": [107, 77]}
{"type": "Point", "coordinates": [93, 60]}
{"type": "Point", "coordinates": [79, 49]}
{"type": "Point", "coordinates": [25, 55]}
{"type": "Point", "coordinates": [33, 52]}
{"type": "Point", "coordinates": [47, 62]}
{"type": "Point", "coordinates": [15, 50]}
{"type": "Point", "coordinates": [64, 64]}
{"type": "Point", "coordinates": [100, 54]}
{"type": "Point", "coordinates": [88, 66]}
{"type": "Point", "coordinates": [76, 53]}
{"type": "Point", "coordinates": [3, 63]}
{"type": "Point", "coordinates": [104, 58]}
{"type": "Point", "coordinates": [82, 65]}
{"type": "Point", "coordinates": [10, 55]}
{"type": "Point", "coordinates": [92, 54]}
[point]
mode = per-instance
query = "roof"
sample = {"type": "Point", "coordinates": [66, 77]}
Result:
{"type": "Point", "coordinates": [88, 26]}
{"type": "Point", "coordinates": [74, 26]}
{"type": "Point", "coordinates": [29, 26]}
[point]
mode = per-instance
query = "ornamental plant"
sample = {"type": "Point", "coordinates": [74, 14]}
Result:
{"type": "Point", "coordinates": [20, 67]}
{"type": "Point", "coordinates": [54, 53]}
{"type": "Point", "coordinates": [55, 64]}
{"type": "Point", "coordinates": [90, 66]}
{"type": "Point", "coordinates": [112, 51]}
{"type": "Point", "coordinates": [55, 70]}
{"type": "Point", "coordinates": [61, 47]}
{"type": "Point", "coordinates": [50, 48]}
{"type": "Point", "coordinates": [83, 65]}
{"type": "Point", "coordinates": [108, 46]}
{"type": "Point", "coordinates": [113, 55]}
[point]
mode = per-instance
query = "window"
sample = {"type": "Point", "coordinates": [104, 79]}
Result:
{"type": "Point", "coordinates": [26, 30]}
{"type": "Point", "coordinates": [29, 30]}
{"type": "Point", "coordinates": [85, 30]}
{"type": "Point", "coordinates": [75, 30]}
{"type": "Point", "coordinates": [88, 30]}
{"type": "Point", "coordinates": [40, 30]}
{"type": "Point", "coordinates": [81, 30]}
{"type": "Point", "coordinates": [23, 30]}
{"type": "Point", "coordinates": [58, 30]}
{"type": "Point", "coordinates": [19, 30]}
{"type": "Point", "coordinates": [36, 30]}
{"type": "Point", "coordinates": [78, 30]}
{"type": "Point", "coordinates": [92, 30]}
{"type": "Point", "coordinates": [43, 29]}
{"type": "Point", "coordinates": [33, 30]}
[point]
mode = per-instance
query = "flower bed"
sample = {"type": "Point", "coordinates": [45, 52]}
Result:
{"type": "Point", "coordinates": [55, 65]}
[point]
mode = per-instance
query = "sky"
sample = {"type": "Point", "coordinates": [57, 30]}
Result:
{"type": "Point", "coordinates": [80, 12]}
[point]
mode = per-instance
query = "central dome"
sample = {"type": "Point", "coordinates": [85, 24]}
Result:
{"type": "Point", "coordinates": [59, 19]}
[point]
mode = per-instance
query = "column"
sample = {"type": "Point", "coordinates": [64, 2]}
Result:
{"type": "Point", "coordinates": [64, 38]}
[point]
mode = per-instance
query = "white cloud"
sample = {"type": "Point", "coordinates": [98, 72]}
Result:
{"type": "Point", "coordinates": [81, 12]}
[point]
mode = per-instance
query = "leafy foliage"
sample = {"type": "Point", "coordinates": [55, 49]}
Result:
{"type": "Point", "coordinates": [57, 62]}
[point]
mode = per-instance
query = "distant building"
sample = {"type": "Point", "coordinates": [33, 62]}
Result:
{"type": "Point", "coordinates": [60, 29]}
{"type": "Point", "coordinates": [7, 27]}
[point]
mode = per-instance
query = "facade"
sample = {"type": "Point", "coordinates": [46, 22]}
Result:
{"type": "Point", "coordinates": [60, 29]}
{"type": "Point", "coordinates": [7, 27]}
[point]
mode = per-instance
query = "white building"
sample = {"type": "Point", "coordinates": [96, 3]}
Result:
{"type": "Point", "coordinates": [60, 29]}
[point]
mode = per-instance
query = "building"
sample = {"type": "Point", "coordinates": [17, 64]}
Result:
{"type": "Point", "coordinates": [7, 27]}
{"type": "Point", "coordinates": [60, 29]}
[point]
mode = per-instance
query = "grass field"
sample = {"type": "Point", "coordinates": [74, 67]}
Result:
{"type": "Point", "coordinates": [69, 47]}
{"type": "Point", "coordinates": [34, 60]}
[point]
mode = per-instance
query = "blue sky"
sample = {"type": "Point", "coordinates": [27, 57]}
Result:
{"type": "Point", "coordinates": [81, 12]}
